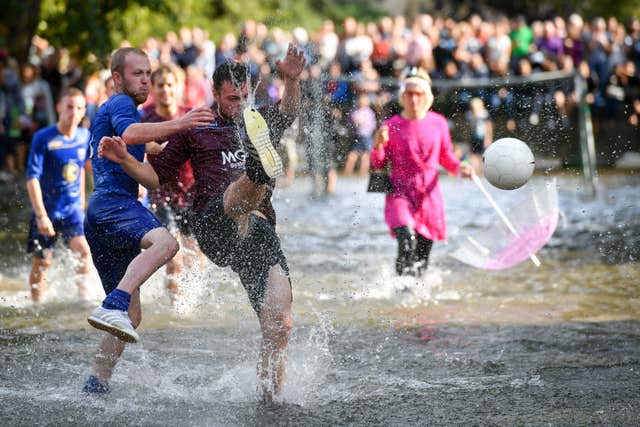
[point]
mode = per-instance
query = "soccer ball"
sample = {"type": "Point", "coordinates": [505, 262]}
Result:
{"type": "Point", "coordinates": [508, 163]}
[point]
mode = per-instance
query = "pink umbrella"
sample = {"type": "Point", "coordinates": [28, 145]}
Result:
{"type": "Point", "coordinates": [524, 228]}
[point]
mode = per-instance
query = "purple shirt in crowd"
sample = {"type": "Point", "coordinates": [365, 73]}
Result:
{"type": "Point", "coordinates": [364, 121]}
{"type": "Point", "coordinates": [217, 156]}
{"type": "Point", "coordinates": [552, 46]}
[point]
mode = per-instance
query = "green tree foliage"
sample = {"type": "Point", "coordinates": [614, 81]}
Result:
{"type": "Point", "coordinates": [93, 28]}
{"type": "Point", "coordinates": [89, 27]}
{"type": "Point", "coordinates": [17, 26]}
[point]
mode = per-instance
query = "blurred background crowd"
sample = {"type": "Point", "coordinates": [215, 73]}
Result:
{"type": "Point", "coordinates": [515, 73]}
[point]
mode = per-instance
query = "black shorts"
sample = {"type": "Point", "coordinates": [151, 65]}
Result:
{"type": "Point", "coordinates": [477, 146]}
{"type": "Point", "coordinates": [174, 218]}
{"type": "Point", "coordinates": [251, 257]}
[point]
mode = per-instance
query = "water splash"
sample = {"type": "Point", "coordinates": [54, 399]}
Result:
{"type": "Point", "coordinates": [310, 360]}
{"type": "Point", "coordinates": [250, 102]}
{"type": "Point", "coordinates": [407, 290]}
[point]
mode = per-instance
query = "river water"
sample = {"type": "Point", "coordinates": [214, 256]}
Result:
{"type": "Point", "coordinates": [557, 344]}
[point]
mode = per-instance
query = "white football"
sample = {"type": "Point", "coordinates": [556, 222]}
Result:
{"type": "Point", "coordinates": [508, 163]}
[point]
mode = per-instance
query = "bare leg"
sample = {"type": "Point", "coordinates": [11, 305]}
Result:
{"type": "Point", "coordinates": [110, 348]}
{"type": "Point", "coordinates": [364, 164]}
{"type": "Point", "coordinates": [332, 179]}
{"type": "Point", "coordinates": [350, 163]}
{"type": "Point", "coordinates": [38, 277]}
{"type": "Point", "coordinates": [476, 162]}
{"type": "Point", "coordinates": [289, 175]}
{"type": "Point", "coordinates": [174, 269]}
{"type": "Point", "coordinates": [159, 247]}
{"type": "Point", "coordinates": [80, 249]}
{"type": "Point", "coordinates": [275, 321]}
{"type": "Point", "coordinates": [240, 199]}
{"type": "Point", "coordinates": [196, 259]}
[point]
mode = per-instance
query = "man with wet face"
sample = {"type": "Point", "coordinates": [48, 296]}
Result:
{"type": "Point", "coordinates": [117, 225]}
{"type": "Point", "coordinates": [234, 220]}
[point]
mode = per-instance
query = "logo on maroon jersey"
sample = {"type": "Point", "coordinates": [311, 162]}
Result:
{"type": "Point", "coordinates": [235, 159]}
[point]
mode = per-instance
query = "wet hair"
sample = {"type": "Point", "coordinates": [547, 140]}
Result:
{"type": "Point", "coordinates": [119, 56]}
{"type": "Point", "coordinates": [70, 91]}
{"type": "Point", "coordinates": [163, 70]}
{"type": "Point", "coordinates": [233, 72]}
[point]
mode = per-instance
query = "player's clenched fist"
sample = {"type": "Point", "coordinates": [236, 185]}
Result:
{"type": "Point", "coordinates": [201, 116]}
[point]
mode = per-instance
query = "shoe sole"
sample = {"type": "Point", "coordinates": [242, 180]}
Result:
{"type": "Point", "coordinates": [118, 333]}
{"type": "Point", "coordinates": [258, 133]}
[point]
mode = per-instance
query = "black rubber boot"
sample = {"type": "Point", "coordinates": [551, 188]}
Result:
{"type": "Point", "coordinates": [423, 250]}
{"type": "Point", "coordinates": [406, 248]}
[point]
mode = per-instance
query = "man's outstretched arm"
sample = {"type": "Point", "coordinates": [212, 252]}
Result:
{"type": "Point", "coordinates": [140, 133]}
{"type": "Point", "coordinates": [115, 149]}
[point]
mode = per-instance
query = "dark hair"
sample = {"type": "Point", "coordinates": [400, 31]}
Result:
{"type": "Point", "coordinates": [233, 72]}
{"type": "Point", "coordinates": [163, 70]}
{"type": "Point", "coordinates": [119, 56]}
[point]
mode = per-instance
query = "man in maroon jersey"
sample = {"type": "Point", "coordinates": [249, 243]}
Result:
{"type": "Point", "coordinates": [171, 202]}
{"type": "Point", "coordinates": [234, 220]}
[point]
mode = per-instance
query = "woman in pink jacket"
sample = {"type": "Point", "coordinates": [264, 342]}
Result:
{"type": "Point", "coordinates": [415, 143]}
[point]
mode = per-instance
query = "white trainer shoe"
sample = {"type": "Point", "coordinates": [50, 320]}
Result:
{"type": "Point", "coordinates": [116, 322]}
{"type": "Point", "coordinates": [261, 147]}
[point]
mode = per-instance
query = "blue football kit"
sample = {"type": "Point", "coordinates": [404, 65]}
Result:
{"type": "Point", "coordinates": [116, 221]}
{"type": "Point", "coordinates": [57, 163]}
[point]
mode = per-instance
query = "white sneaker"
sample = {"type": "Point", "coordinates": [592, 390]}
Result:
{"type": "Point", "coordinates": [116, 322]}
{"type": "Point", "coordinates": [261, 147]}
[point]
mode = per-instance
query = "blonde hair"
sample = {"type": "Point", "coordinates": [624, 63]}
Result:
{"type": "Point", "coordinates": [418, 76]}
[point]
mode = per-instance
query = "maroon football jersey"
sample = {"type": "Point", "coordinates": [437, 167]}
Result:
{"type": "Point", "coordinates": [175, 194]}
{"type": "Point", "coordinates": [217, 156]}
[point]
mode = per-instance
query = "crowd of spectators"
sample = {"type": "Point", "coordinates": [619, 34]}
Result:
{"type": "Point", "coordinates": [361, 59]}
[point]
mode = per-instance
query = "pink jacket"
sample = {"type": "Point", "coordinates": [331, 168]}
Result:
{"type": "Point", "coordinates": [416, 150]}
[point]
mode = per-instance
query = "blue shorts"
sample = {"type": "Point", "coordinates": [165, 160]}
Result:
{"type": "Point", "coordinates": [362, 144]}
{"type": "Point", "coordinates": [114, 227]}
{"type": "Point", "coordinates": [69, 228]}
{"type": "Point", "coordinates": [477, 145]}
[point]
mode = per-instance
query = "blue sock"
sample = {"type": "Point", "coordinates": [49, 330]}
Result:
{"type": "Point", "coordinates": [94, 385]}
{"type": "Point", "coordinates": [117, 300]}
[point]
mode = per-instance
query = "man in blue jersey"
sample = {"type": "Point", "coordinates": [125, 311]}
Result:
{"type": "Point", "coordinates": [117, 225]}
{"type": "Point", "coordinates": [55, 183]}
